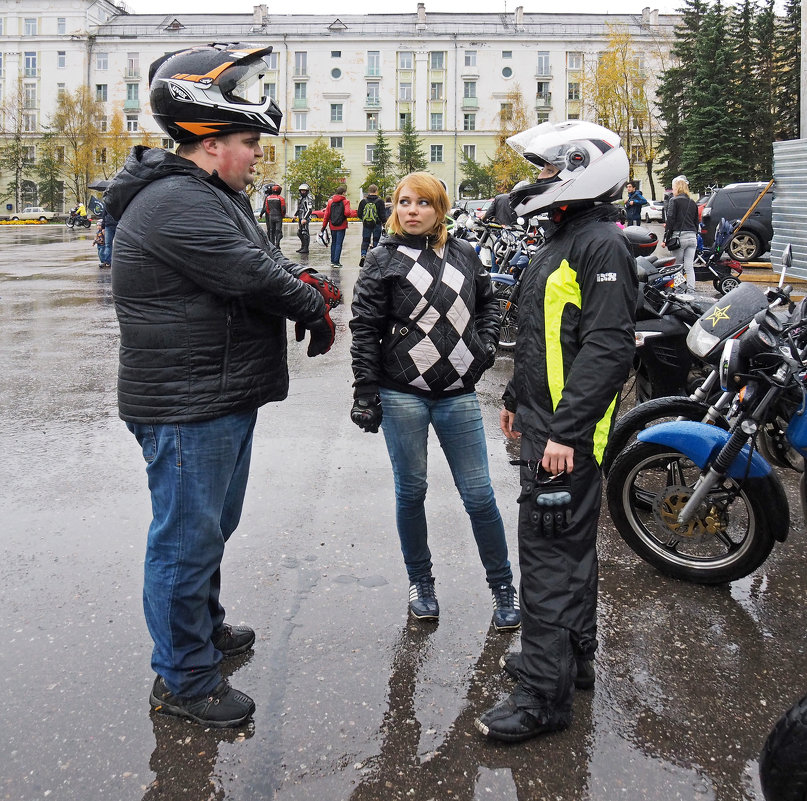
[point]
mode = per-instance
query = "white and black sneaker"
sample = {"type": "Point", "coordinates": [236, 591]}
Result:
{"type": "Point", "coordinates": [423, 600]}
{"type": "Point", "coordinates": [506, 611]}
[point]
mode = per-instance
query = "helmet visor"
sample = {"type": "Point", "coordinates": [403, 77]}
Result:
{"type": "Point", "coordinates": [236, 81]}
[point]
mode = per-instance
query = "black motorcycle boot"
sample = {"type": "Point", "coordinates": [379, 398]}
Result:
{"type": "Point", "coordinates": [222, 708]}
{"type": "Point", "coordinates": [233, 640]}
{"type": "Point", "coordinates": [584, 680]}
{"type": "Point", "coordinates": [520, 717]}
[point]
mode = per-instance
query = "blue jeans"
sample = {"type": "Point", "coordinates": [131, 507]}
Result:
{"type": "Point", "coordinates": [337, 238]}
{"type": "Point", "coordinates": [369, 232]}
{"type": "Point", "coordinates": [109, 238]}
{"type": "Point", "coordinates": [458, 423]}
{"type": "Point", "coordinates": [197, 476]}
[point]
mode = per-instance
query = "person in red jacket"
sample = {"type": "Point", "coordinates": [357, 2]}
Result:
{"type": "Point", "coordinates": [336, 213]}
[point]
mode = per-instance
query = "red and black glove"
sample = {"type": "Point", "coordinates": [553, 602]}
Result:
{"type": "Point", "coordinates": [322, 334]}
{"type": "Point", "coordinates": [327, 288]}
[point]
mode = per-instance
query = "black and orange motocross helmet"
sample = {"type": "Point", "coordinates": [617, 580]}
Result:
{"type": "Point", "coordinates": [202, 92]}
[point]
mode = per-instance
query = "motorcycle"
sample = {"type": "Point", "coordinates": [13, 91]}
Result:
{"type": "Point", "coordinates": [74, 218]}
{"type": "Point", "coordinates": [701, 503]}
{"type": "Point", "coordinates": [782, 770]}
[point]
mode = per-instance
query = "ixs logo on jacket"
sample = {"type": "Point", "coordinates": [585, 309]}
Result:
{"type": "Point", "coordinates": [609, 277]}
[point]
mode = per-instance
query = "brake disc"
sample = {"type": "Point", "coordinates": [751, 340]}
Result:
{"type": "Point", "coordinates": [707, 521]}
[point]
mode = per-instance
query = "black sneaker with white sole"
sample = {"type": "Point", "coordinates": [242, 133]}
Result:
{"type": "Point", "coordinates": [423, 600]}
{"type": "Point", "coordinates": [223, 707]}
{"type": "Point", "coordinates": [506, 612]}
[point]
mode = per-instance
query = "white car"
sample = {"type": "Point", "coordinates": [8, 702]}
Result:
{"type": "Point", "coordinates": [654, 210]}
{"type": "Point", "coordinates": [33, 213]}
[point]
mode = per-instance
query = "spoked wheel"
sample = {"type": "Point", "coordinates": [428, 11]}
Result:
{"type": "Point", "coordinates": [724, 285]}
{"type": "Point", "coordinates": [727, 539]}
{"type": "Point", "coordinates": [509, 318]}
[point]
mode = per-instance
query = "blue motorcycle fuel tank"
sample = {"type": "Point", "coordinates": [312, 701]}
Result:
{"type": "Point", "coordinates": [701, 442]}
{"type": "Point", "coordinates": [796, 432]}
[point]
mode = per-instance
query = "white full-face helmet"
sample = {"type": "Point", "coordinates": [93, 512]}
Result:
{"type": "Point", "coordinates": [592, 165]}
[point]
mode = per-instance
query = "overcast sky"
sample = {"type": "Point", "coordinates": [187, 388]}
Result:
{"type": "Point", "coordinates": [337, 7]}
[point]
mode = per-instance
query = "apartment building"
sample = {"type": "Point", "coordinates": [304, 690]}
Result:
{"type": "Point", "coordinates": [339, 77]}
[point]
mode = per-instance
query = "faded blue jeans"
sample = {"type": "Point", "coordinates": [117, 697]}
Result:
{"type": "Point", "coordinates": [197, 476]}
{"type": "Point", "coordinates": [457, 421]}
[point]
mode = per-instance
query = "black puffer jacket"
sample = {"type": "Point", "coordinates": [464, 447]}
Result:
{"type": "Point", "coordinates": [443, 352]}
{"type": "Point", "coordinates": [201, 295]}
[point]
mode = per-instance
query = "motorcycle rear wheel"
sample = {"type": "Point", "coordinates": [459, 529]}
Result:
{"type": "Point", "coordinates": [728, 539]}
{"type": "Point", "coordinates": [649, 413]}
{"type": "Point", "coordinates": [508, 330]}
{"type": "Point", "coordinates": [783, 762]}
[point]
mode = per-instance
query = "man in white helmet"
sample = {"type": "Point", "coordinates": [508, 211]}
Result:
{"type": "Point", "coordinates": [573, 353]}
{"type": "Point", "coordinates": [305, 207]}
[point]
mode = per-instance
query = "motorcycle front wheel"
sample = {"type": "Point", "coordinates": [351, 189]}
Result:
{"type": "Point", "coordinates": [69, 222]}
{"type": "Point", "coordinates": [727, 538]}
{"type": "Point", "coordinates": [508, 330]}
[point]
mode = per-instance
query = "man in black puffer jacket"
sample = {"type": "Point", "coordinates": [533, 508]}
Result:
{"type": "Point", "coordinates": [202, 299]}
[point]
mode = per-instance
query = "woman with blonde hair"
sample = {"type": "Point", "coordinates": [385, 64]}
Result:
{"type": "Point", "coordinates": [681, 231]}
{"type": "Point", "coordinates": [425, 328]}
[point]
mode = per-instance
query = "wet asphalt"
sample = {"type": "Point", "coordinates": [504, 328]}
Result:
{"type": "Point", "coordinates": [354, 701]}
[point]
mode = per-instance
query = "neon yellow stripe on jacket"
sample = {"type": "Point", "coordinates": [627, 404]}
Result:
{"type": "Point", "coordinates": [562, 289]}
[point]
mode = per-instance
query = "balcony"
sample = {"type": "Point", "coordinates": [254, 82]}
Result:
{"type": "Point", "coordinates": [131, 75]}
{"type": "Point", "coordinates": [300, 103]}
{"type": "Point", "coordinates": [543, 99]}
{"type": "Point", "coordinates": [372, 102]}
{"type": "Point", "coordinates": [131, 105]}
{"type": "Point", "coordinates": [470, 103]}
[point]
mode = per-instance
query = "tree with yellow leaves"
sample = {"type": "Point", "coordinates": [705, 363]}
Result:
{"type": "Point", "coordinates": [508, 166]}
{"type": "Point", "coordinates": [615, 92]}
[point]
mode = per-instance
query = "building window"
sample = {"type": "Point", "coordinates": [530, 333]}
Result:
{"type": "Point", "coordinates": [469, 151]}
{"type": "Point", "coordinates": [336, 73]}
{"type": "Point", "coordinates": [336, 54]}
{"type": "Point", "coordinates": [301, 62]}
{"type": "Point", "coordinates": [61, 59]}
{"type": "Point", "coordinates": [470, 58]}
{"type": "Point", "coordinates": [506, 112]}
{"type": "Point", "coordinates": [436, 153]}
{"type": "Point", "coordinates": [167, 144]}
{"type": "Point", "coordinates": [60, 88]}
{"type": "Point", "coordinates": [29, 26]}
{"type": "Point", "coordinates": [369, 154]}
{"type": "Point", "coordinates": [61, 25]}
{"type": "Point", "coordinates": [29, 95]}
{"type": "Point", "coordinates": [271, 61]}
{"type": "Point", "coordinates": [270, 153]}
{"type": "Point", "coordinates": [469, 122]}
{"type": "Point", "coordinates": [133, 65]}
{"type": "Point", "coordinates": [298, 151]}
{"type": "Point", "coordinates": [336, 112]}
{"type": "Point", "coordinates": [507, 72]}
{"type": "Point", "coordinates": [437, 59]}
{"type": "Point", "coordinates": [102, 124]}
{"type": "Point", "coordinates": [337, 142]}
{"type": "Point", "coordinates": [405, 91]}
{"type": "Point", "coordinates": [372, 121]}
{"type": "Point", "coordinates": [573, 116]}
{"type": "Point", "coordinates": [100, 155]}
{"type": "Point", "coordinates": [300, 120]}
{"type": "Point", "coordinates": [507, 53]}
{"type": "Point", "coordinates": [58, 154]}
{"type": "Point", "coordinates": [102, 61]}
{"type": "Point", "coordinates": [132, 125]}
{"type": "Point", "coordinates": [373, 94]}
{"type": "Point", "coordinates": [574, 90]}
{"type": "Point", "coordinates": [542, 66]}
{"type": "Point", "coordinates": [374, 62]}
{"type": "Point", "coordinates": [29, 65]}
{"type": "Point", "coordinates": [132, 92]}
{"type": "Point", "coordinates": [29, 122]}
{"type": "Point", "coordinates": [300, 91]}
{"type": "Point", "coordinates": [436, 121]}
{"type": "Point", "coordinates": [405, 60]}
{"type": "Point", "coordinates": [436, 91]}
{"type": "Point", "coordinates": [404, 119]}
{"type": "Point", "coordinates": [270, 90]}
{"type": "Point", "coordinates": [469, 88]}
{"type": "Point", "coordinates": [574, 61]}
{"type": "Point", "coordinates": [100, 92]}
{"type": "Point", "coordinates": [29, 154]}
{"type": "Point", "coordinates": [541, 116]}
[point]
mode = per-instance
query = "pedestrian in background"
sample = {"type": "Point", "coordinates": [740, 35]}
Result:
{"type": "Point", "coordinates": [500, 211]}
{"type": "Point", "coordinates": [681, 229]}
{"type": "Point", "coordinates": [633, 205]}
{"type": "Point", "coordinates": [110, 227]}
{"type": "Point", "coordinates": [425, 328]}
{"type": "Point", "coordinates": [373, 215]}
{"type": "Point", "coordinates": [274, 207]}
{"type": "Point", "coordinates": [99, 243]}
{"type": "Point", "coordinates": [305, 208]}
{"type": "Point", "coordinates": [336, 213]}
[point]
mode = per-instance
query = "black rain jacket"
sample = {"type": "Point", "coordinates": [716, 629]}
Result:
{"type": "Point", "coordinates": [201, 295]}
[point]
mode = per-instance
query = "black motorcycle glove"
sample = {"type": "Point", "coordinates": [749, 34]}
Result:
{"type": "Point", "coordinates": [550, 501]}
{"type": "Point", "coordinates": [322, 333]}
{"type": "Point", "coordinates": [366, 413]}
{"type": "Point", "coordinates": [490, 354]}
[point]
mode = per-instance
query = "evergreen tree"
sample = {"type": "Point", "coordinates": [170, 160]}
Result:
{"type": "Point", "coordinates": [411, 155]}
{"type": "Point", "coordinates": [711, 139]}
{"type": "Point", "coordinates": [763, 130]}
{"type": "Point", "coordinates": [382, 173]}
{"type": "Point", "coordinates": [48, 171]}
{"type": "Point", "coordinates": [675, 87]}
{"type": "Point", "coordinates": [787, 74]}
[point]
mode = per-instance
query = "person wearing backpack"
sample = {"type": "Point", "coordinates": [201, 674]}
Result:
{"type": "Point", "coordinates": [373, 215]}
{"type": "Point", "coordinates": [274, 207]}
{"type": "Point", "coordinates": [336, 213]}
